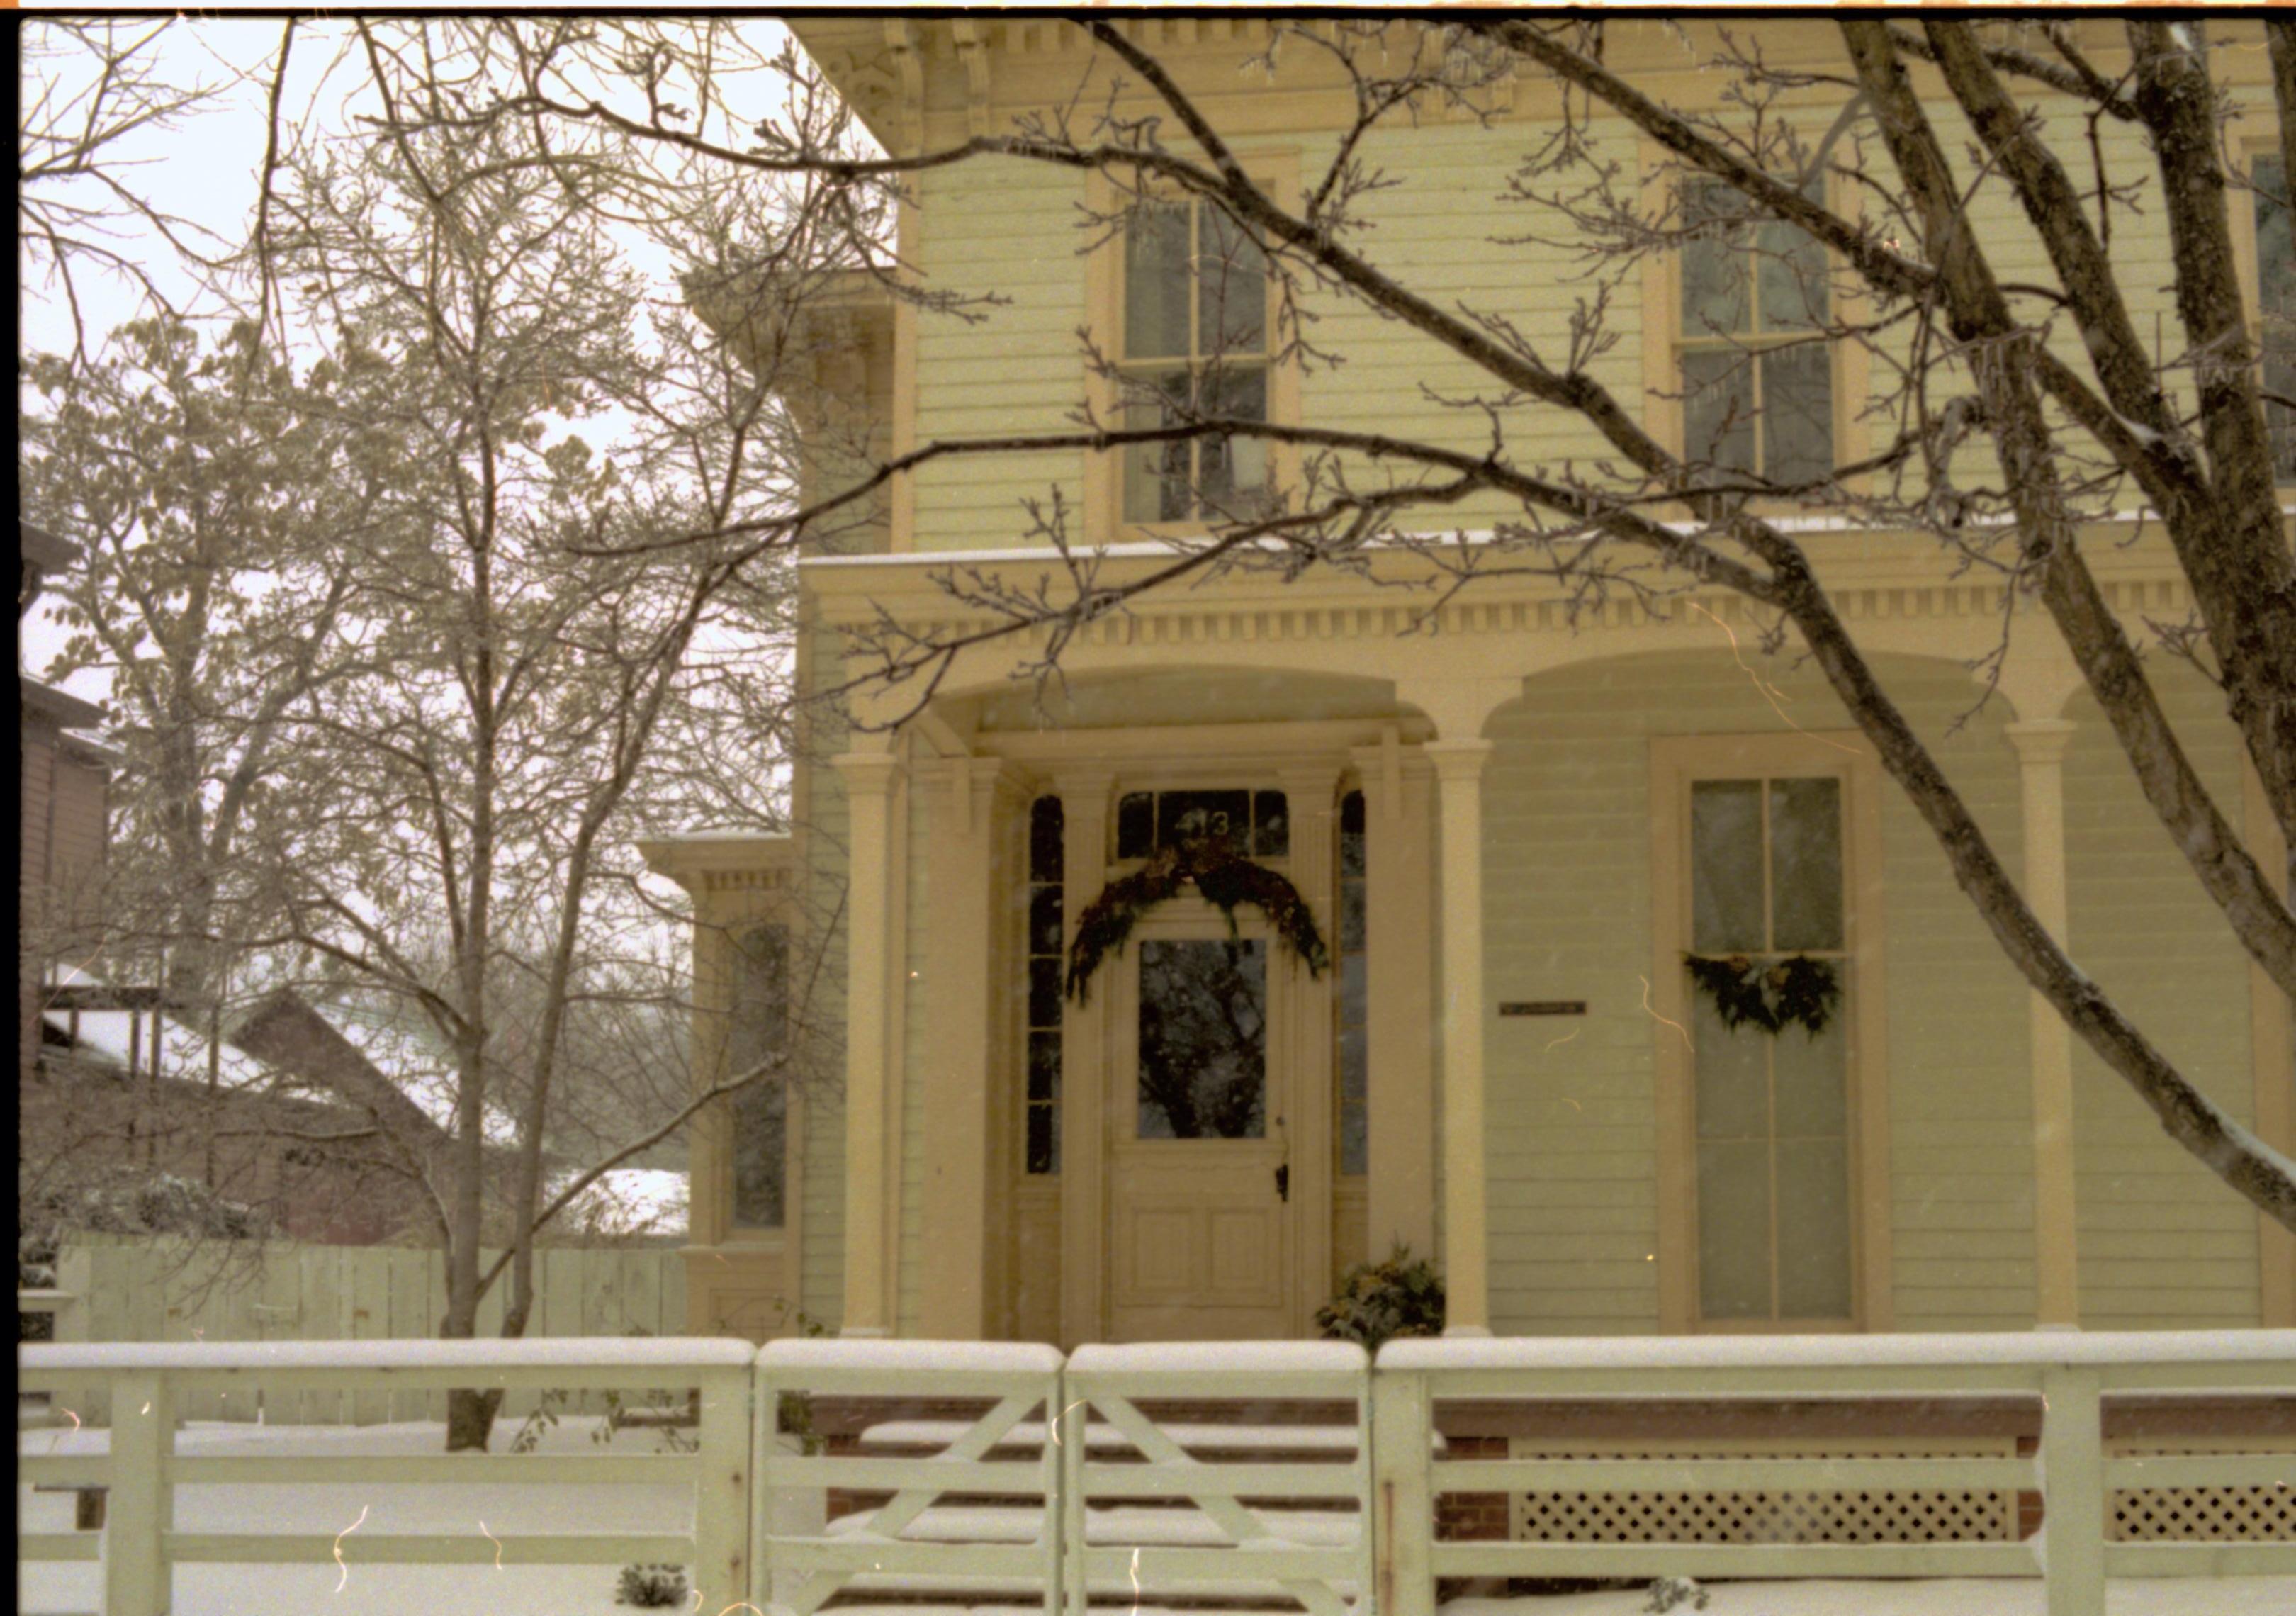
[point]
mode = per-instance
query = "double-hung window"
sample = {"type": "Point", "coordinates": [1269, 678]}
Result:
{"type": "Point", "coordinates": [1194, 345]}
{"type": "Point", "coordinates": [2275, 286]}
{"type": "Point", "coordinates": [1772, 1108]}
{"type": "Point", "coordinates": [1757, 377]}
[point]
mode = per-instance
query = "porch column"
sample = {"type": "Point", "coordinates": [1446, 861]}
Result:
{"type": "Point", "coordinates": [871, 781]}
{"type": "Point", "coordinates": [1084, 1044]}
{"type": "Point", "coordinates": [968, 948]}
{"type": "Point", "coordinates": [2040, 744]}
{"type": "Point", "coordinates": [1399, 1109]}
{"type": "Point", "coordinates": [1459, 774]}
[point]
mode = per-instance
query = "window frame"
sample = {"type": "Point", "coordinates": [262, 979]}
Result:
{"type": "Point", "coordinates": [2248, 252]}
{"type": "Point", "coordinates": [1677, 763]}
{"type": "Point", "coordinates": [1276, 171]}
{"type": "Point", "coordinates": [1664, 396]}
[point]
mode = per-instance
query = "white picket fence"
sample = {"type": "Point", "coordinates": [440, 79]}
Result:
{"type": "Point", "coordinates": [118, 1290]}
{"type": "Point", "coordinates": [1231, 1534]}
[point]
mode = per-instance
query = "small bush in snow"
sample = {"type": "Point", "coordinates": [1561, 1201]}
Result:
{"type": "Point", "coordinates": [652, 1588]}
{"type": "Point", "coordinates": [1383, 1301]}
{"type": "Point", "coordinates": [1669, 1592]}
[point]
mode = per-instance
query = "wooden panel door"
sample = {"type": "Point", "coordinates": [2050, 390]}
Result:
{"type": "Point", "coordinates": [1199, 1228]}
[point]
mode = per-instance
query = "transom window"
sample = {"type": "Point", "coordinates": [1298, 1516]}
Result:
{"type": "Point", "coordinates": [1774, 1239]}
{"type": "Point", "coordinates": [2275, 285]}
{"type": "Point", "coordinates": [1257, 823]}
{"type": "Point", "coordinates": [1757, 380]}
{"type": "Point", "coordinates": [1195, 344]}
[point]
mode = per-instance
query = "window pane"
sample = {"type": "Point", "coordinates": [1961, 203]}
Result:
{"type": "Point", "coordinates": [1355, 973]}
{"type": "Point", "coordinates": [1044, 1139]}
{"type": "Point", "coordinates": [1156, 482]}
{"type": "Point", "coordinates": [1045, 851]}
{"type": "Point", "coordinates": [759, 1031]}
{"type": "Point", "coordinates": [1232, 284]}
{"type": "Point", "coordinates": [1812, 1229]}
{"type": "Point", "coordinates": [1714, 300]}
{"type": "Point", "coordinates": [1203, 1048]}
{"type": "Point", "coordinates": [1790, 278]}
{"type": "Point", "coordinates": [1351, 834]}
{"type": "Point", "coordinates": [1797, 413]}
{"type": "Point", "coordinates": [1156, 282]}
{"type": "Point", "coordinates": [1355, 1056]}
{"type": "Point", "coordinates": [1271, 825]}
{"type": "Point", "coordinates": [1235, 469]}
{"type": "Point", "coordinates": [1136, 825]}
{"type": "Point", "coordinates": [1806, 863]}
{"type": "Point", "coordinates": [1733, 1230]}
{"type": "Point", "coordinates": [1352, 927]}
{"type": "Point", "coordinates": [1223, 815]}
{"type": "Point", "coordinates": [1732, 1079]}
{"type": "Point", "coordinates": [1717, 409]}
{"type": "Point", "coordinates": [1045, 921]}
{"type": "Point", "coordinates": [1812, 1074]}
{"type": "Point", "coordinates": [760, 1155]}
{"type": "Point", "coordinates": [2276, 274]}
{"type": "Point", "coordinates": [1044, 1066]}
{"type": "Point", "coordinates": [1355, 1141]}
{"type": "Point", "coordinates": [1045, 992]}
{"type": "Point", "coordinates": [1726, 866]}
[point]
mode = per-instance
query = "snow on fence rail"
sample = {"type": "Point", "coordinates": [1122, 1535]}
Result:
{"type": "Point", "coordinates": [1105, 1497]}
{"type": "Point", "coordinates": [141, 1468]}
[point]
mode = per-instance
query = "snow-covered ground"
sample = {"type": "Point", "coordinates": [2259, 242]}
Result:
{"type": "Point", "coordinates": [475, 1509]}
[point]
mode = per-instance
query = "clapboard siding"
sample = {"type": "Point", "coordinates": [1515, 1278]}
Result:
{"type": "Point", "coordinates": [2141, 926]}
{"type": "Point", "coordinates": [1573, 1151]}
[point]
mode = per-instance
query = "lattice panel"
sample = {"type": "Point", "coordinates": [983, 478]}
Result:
{"type": "Point", "coordinates": [1877, 1516]}
{"type": "Point", "coordinates": [2199, 1514]}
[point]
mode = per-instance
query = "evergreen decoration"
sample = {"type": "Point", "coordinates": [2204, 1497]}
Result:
{"type": "Point", "coordinates": [1226, 878]}
{"type": "Point", "coordinates": [1385, 1301]}
{"type": "Point", "coordinates": [655, 1587]}
{"type": "Point", "coordinates": [1772, 994]}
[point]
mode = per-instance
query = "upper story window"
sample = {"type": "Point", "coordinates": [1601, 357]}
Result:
{"type": "Point", "coordinates": [1194, 343]}
{"type": "Point", "coordinates": [1757, 377]}
{"type": "Point", "coordinates": [2275, 285]}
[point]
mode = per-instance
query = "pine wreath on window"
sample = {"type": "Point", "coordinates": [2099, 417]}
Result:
{"type": "Point", "coordinates": [1772, 994]}
{"type": "Point", "coordinates": [1226, 878]}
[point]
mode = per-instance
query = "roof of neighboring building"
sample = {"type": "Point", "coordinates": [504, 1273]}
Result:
{"type": "Point", "coordinates": [38, 547]}
{"type": "Point", "coordinates": [63, 710]}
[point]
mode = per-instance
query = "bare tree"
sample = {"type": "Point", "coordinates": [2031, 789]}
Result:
{"type": "Point", "coordinates": [2007, 412]}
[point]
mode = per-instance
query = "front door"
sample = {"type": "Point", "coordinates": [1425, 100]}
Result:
{"type": "Point", "coordinates": [1199, 1239]}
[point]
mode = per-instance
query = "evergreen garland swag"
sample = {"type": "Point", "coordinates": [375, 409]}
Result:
{"type": "Point", "coordinates": [1224, 877]}
{"type": "Point", "coordinates": [1772, 997]}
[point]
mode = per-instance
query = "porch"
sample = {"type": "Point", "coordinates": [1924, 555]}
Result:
{"type": "Point", "coordinates": [973, 1475]}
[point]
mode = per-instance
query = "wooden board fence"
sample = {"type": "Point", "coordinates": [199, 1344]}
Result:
{"type": "Point", "coordinates": [126, 1290]}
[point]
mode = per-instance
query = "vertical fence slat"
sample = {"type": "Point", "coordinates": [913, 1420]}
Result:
{"type": "Point", "coordinates": [2072, 1491]}
{"type": "Point", "coordinates": [1402, 1502]}
{"type": "Point", "coordinates": [409, 1302]}
{"type": "Point", "coordinates": [135, 1570]}
{"type": "Point", "coordinates": [367, 1289]}
{"type": "Point", "coordinates": [721, 1509]}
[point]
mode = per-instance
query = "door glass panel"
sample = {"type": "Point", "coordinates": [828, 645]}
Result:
{"type": "Point", "coordinates": [1204, 1039]}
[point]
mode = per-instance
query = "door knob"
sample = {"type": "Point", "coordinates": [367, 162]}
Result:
{"type": "Point", "coordinates": [1284, 1183]}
